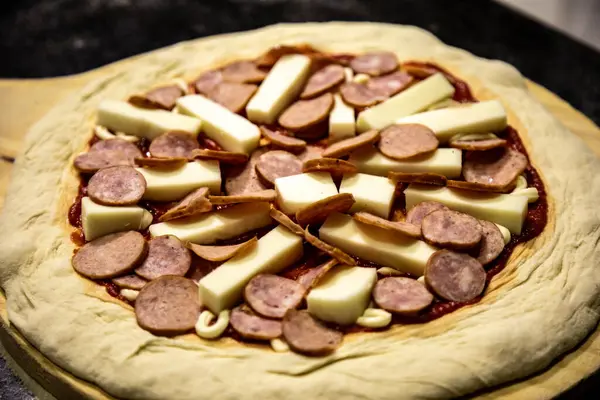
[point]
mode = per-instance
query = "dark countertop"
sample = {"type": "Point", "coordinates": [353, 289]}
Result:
{"type": "Point", "coordinates": [60, 37]}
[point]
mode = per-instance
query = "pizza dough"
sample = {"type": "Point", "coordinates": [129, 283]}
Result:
{"type": "Point", "coordinates": [107, 347]}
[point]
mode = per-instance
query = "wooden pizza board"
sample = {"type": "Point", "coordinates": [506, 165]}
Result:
{"type": "Point", "coordinates": [22, 102]}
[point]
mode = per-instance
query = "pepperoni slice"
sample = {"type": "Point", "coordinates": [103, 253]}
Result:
{"type": "Point", "coordinates": [131, 281]}
{"type": "Point", "coordinates": [251, 326]}
{"type": "Point", "coordinates": [193, 204]}
{"type": "Point", "coordinates": [272, 296]}
{"type": "Point", "coordinates": [480, 187]}
{"type": "Point", "coordinates": [166, 256]}
{"type": "Point", "coordinates": [226, 157]}
{"type": "Point", "coordinates": [233, 96]}
{"type": "Point", "coordinates": [117, 186]}
{"type": "Point", "coordinates": [401, 227]}
{"type": "Point", "coordinates": [331, 165]}
{"type": "Point", "coordinates": [359, 95]}
{"type": "Point", "coordinates": [164, 97]}
{"type": "Point", "coordinates": [111, 255]}
{"type": "Point", "coordinates": [282, 141]}
{"type": "Point", "coordinates": [391, 84]}
{"type": "Point", "coordinates": [107, 153]}
{"type": "Point", "coordinates": [243, 72]}
{"type": "Point", "coordinates": [375, 63]}
{"type": "Point", "coordinates": [401, 295]}
{"type": "Point", "coordinates": [319, 211]}
{"type": "Point", "coordinates": [306, 113]}
{"type": "Point", "coordinates": [220, 253]}
{"type": "Point", "coordinates": [327, 248]}
{"type": "Point", "coordinates": [313, 275]}
{"type": "Point", "coordinates": [417, 213]}
{"type": "Point", "coordinates": [244, 179]}
{"type": "Point", "coordinates": [418, 177]}
{"type": "Point", "coordinates": [478, 145]}
{"type": "Point", "coordinates": [492, 242]}
{"type": "Point", "coordinates": [347, 146]}
{"type": "Point", "coordinates": [173, 144]}
{"type": "Point", "coordinates": [161, 163]}
{"type": "Point", "coordinates": [168, 306]}
{"type": "Point", "coordinates": [278, 164]}
{"type": "Point", "coordinates": [498, 167]}
{"type": "Point", "coordinates": [264, 195]}
{"type": "Point", "coordinates": [453, 229]}
{"type": "Point", "coordinates": [286, 221]}
{"type": "Point", "coordinates": [306, 335]}
{"type": "Point", "coordinates": [323, 80]}
{"type": "Point", "coordinates": [208, 81]}
{"type": "Point", "coordinates": [454, 276]}
{"type": "Point", "coordinates": [407, 140]}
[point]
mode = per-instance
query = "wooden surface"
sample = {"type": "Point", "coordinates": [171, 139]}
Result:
{"type": "Point", "coordinates": [25, 101]}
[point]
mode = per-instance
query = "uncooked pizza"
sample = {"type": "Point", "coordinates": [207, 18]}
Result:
{"type": "Point", "coordinates": [366, 211]}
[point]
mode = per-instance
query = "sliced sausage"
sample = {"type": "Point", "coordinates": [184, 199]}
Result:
{"type": "Point", "coordinates": [498, 167]}
{"type": "Point", "coordinates": [454, 276]}
{"type": "Point", "coordinates": [221, 253]}
{"type": "Point", "coordinates": [492, 243]}
{"type": "Point", "coordinates": [272, 296]}
{"type": "Point", "coordinates": [407, 140]}
{"type": "Point", "coordinates": [334, 252]}
{"type": "Point", "coordinates": [347, 146]}
{"type": "Point", "coordinates": [477, 145]}
{"type": "Point", "coordinates": [161, 163]}
{"type": "Point", "coordinates": [264, 195]}
{"type": "Point", "coordinates": [306, 335]}
{"type": "Point", "coordinates": [375, 63]}
{"type": "Point", "coordinates": [310, 153]}
{"type": "Point", "coordinates": [416, 214]}
{"type": "Point", "coordinates": [166, 256]}
{"type": "Point", "coordinates": [331, 165]}
{"type": "Point", "coordinates": [427, 178]}
{"type": "Point", "coordinates": [131, 281]}
{"type": "Point", "coordinates": [401, 295]}
{"type": "Point", "coordinates": [319, 211]}
{"type": "Point", "coordinates": [313, 275]}
{"type": "Point", "coordinates": [285, 142]}
{"type": "Point", "coordinates": [193, 204]}
{"type": "Point", "coordinates": [107, 153]}
{"type": "Point", "coordinates": [173, 144]}
{"type": "Point", "coordinates": [244, 179]}
{"type": "Point", "coordinates": [323, 80]}
{"type": "Point", "coordinates": [208, 81]}
{"type": "Point", "coordinates": [226, 157]}
{"type": "Point", "coordinates": [164, 97]}
{"type": "Point", "coordinates": [391, 84]}
{"type": "Point", "coordinates": [306, 113]}
{"type": "Point", "coordinates": [481, 187]}
{"type": "Point", "coordinates": [359, 95]}
{"type": "Point", "coordinates": [452, 229]}
{"type": "Point", "coordinates": [168, 306]}
{"type": "Point", "coordinates": [401, 227]}
{"type": "Point", "coordinates": [278, 164]}
{"type": "Point", "coordinates": [111, 255]}
{"type": "Point", "coordinates": [117, 186]}
{"type": "Point", "coordinates": [233, 96]}
{"type": "Point", "coordinates": [251, 326]}
{"type": "Point", "coordinates": [243, 72]}
{"type": "Point", "coordinates": [286, 221]}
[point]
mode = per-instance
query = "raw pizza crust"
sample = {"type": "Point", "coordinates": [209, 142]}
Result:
{"type": "Point", "coordinates": [541, 305]}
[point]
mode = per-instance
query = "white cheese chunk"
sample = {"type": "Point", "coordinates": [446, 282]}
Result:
{"type": "Point", "coordinates": [412, 100]}
{"type": "Point", "coordinates": [361, 78]}
{"type": "Point", "coordinates": [129, 294]}
{"type": "Point", "coordinates": [342, 295]}
{"type": "Point", "coordinates": [503, 209]}
{"type": "Point", "coordinates": [376, 244]}
{"type": "Point", "coordinates": [222, 288]}
{"type": "Point", "coordinates": [487, 116]}
{"type": "Point", "coordinates": [232, 131]}
{"type": "Point", "coordinates": [373, 194]}
{"type": "Point", "coordinates": [505, 233]}
{"type": "Point", "coordinates": [348, 74]}
{"type": "Point", "coordinates": [99, 220]}
{"type": "Point", "coordinates": [219, 225]}
{"type": "Point", "coordinates": [341, 121]}
{"type": "Point", "coordinates": [169, 185]}
{"type": "Point", "coordinates": [283, 83]}
{"type": "Point", "coordinates": [298, 191]}
{"type": "Point", "coordinates": [447, 162]}
{"type": "Point", "coordinates": [123, 117]}
{"type": "Point", "coordinates": [375, 318]}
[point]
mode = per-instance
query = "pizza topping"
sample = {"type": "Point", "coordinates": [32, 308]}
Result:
{"type": "Point", "coordinates": [286, 221]}
{"type": "Point", "coordinates": [102, 133]}
{"type": "Point", "coordinates": [131, 281]}
{"type": "Point", "coordinates": [220, 253]}
{"type": "Point", "coordinates": [166, 256]}
{"type": "Point", "coordinates": [263, 195]}
{"type": "Point", "coordinates": [312, 277]}
{"type": "Point", "coordinates": [492, 242]}
{"type": "Point", "coordinates": [388, 85]}
{"type": "Point", "coordinates": [111, 255]}
{"type": "Point", "coordinates": [401, 295]}
{"type": "Point", "coordinates": [374, 318]}
{"type": "Point", "coordinates": [278, 164]}
{"type": "Point", "coordinates": [251, 326]}
{"type": "Point", "coordinates": [408, 140]}
{"type": "Point", "coordinates": [209, 328]}
{"type": "Point", "coordinates": [318, 211]}
{"type": "Point", "coordinates": [323, 80]}
{"type": "Point", "coordinates": [375, 63]}
{"type": "Point", "coordinates": [308, 336]}
{"type": "Point", "coordinates": [310, 153]}
{"type": "Point", "coordinates": [117, 186]}
{"type": "Point", "coordinates": [427, 178]}
{"type": "Point", "coordinates": [334, 252]}
{"type": "Point", "coordinates": [282, 141]}
{"type": "Point", "coordinates": [162, 97]}
{"type": "Point", "coordinates": [244, 179]}
{"type": "Point", "coordinates": [129, 294]}
{"type": "Point", "coordinates": [226, 157]}
{"type": "Point", "coordinates": [331, 165]}
{"type": "Point", "coordinates": [307, 113]}
{"type": "Point", "coordinates": [360, 95]}
{"type": "Point", "coordinates": [476, 141]}
{"type": "Point", "coordinates": [107, 153]}
{"type": "Point", "coordinates": [416, 214]}
{"type": "Point", "coordinates": [279, 345]}
{"type": "Point", "coordinates": [401, 227]}
{"type": "Point", "coordinates": [478, 187]}
{"type": "Point", "coordinates": [272, 296]}
{"type": "Point", "coordinates": [243, 72]}
{"type": "Point", "coordinates": [499, 167]}
{"type": "Point", "coordinates": [453, 229]}
{"type": "Point", "coordinates": [173, 144]}
{"type": "Point", "coordinates": [454, 276]}
{"type": "Point", "coordinates": [347, 146]}
{"type": "Point", "coordinates": [208, 81]}
{"type": "Point", "coordinates": [168, 306]}
{"type": "Point", "coordinates": [193, 204]}
{"type": "Point", "coordinates": [161, 163]}
{"type": "Point", "coordinates": [231, 95]}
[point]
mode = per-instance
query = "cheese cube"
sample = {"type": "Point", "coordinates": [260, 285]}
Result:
{"type": "Point", "coordinates": [298, 191]}
{"type": "Point", "coordinates": [284, 82]}
{"type": "Point", "coordinates": [373, 194]}
{"type": "Point", "coordinates": [487, 116]}
{"type": "Point", "coordinates": [219, 225]}
{"type": "Point", "coordinates": [169, 185]}
{"type": "Point", "coordinates": [376, 244]}
{"type": "Point", "coordinates": [342, 295]}
{"type": "Point", "coordinates": [222, 288]}
{"type": "Point", "coordinates": [341, 121]}
{"type": "Point", "coordinates": [230, 130]}
{"type": "Point", "coordinates": [412, 100]}
{"type": "Point", "coordinates": [99, 220]}
{"type": "Point", "coordinates": [503, 209]}
{"type": "Point", "coordinates": [447, 162]}
{"type": "Point", "coordinates": [123, 117]}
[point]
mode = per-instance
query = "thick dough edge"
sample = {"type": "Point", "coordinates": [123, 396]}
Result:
{"type": "Point", "coordinates": [543, 304]}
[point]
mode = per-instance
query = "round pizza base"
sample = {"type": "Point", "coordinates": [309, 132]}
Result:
{"type": "Point", "coordinates": [539, 307]}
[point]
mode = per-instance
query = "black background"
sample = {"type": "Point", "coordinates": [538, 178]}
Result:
{"type": "Point", "coordinates": [47, 38]}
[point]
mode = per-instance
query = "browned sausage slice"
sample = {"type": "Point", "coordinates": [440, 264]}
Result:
{"type": "Point", "coordinates": [452, 229]}
{"type": "Point", "coordinates": [278, 164]}
{"type": "Point", "coordinates": [323, 80]}
{"type": "Point", "coordinates": [208, 81]}
{"type": "Point", "coordinates": [306, 335]}
{"type": "Point", "coordinates": [264, 195]}
{"type": "Point", "coordinates": [164, 97]}
{"type": "Point", "coordinates": [226, 157]}
{"type": "Point", "coordinates": [220, 253]}
{"type": "Point", "coordinates": [416, 214]}
{"type": "Point", "coordinates": [327, 248]}
{"type": "Point", "coordinates": [107, 153]}
{"type": "Point", "coordinates": [310, 278]}
{"type": "Point", "coordinates": [193, 204]}
{"type": "Point", "coordinates": [375, 63]}
{"type": "Point", "coordinates": [111, 255]}
{"type": "Point", "coordinates": [244, 179]}
{"type": "Point", "coordinates": [286, 221]}
{"type": "Point", "coordinates": [331, 165]}
{"type": "Point", "coordinates": [310, 153]}
{"type": "Point", "coordinates": [498, 167]}
{"type": "Point", "coordinates": [173, 144]}
{"type": "Point", "coordinates": [272, 296]}
{"type": "Point", "coordinates": [161, 163]}
{"type": "Point", "coordinates": [477, 145]}
{"type": "Point", "coordinates": [166, 256]}
{"type": "Point", "coordinates": [359, 95]}
{"type": "Point", "coordinates": [168, 306]}
{"type": "Point", "coordinates": [282, 141]}
{"type": "Point", "coordinates": [131, 281]}
{"type": "Point", "coordinates": [401, 227]}
{"type": "Point", "coordinates": [306, 113]}
{"type": "Point", "coordinates": [347, 146]}
{"type": "Point", "coordinates": [243, 72]}
{"type": "Point", "coordinates": [401, 295]}
{"type": "Point", "coordinates": [251, 326]}
{"type": "Point", "coordinates": [480, 187]}
{"type": "Point", "coordinates": [117, 186]}
{"type": "Point", "coordinates": [454, 276]}
{"type": "Point", "coordinates": [319, 211]}
{"type": "Point", "coordinates": [233, 96]}
{"type": "Point", "coordinates": [407, 140]}
{"type": "Point", "coordinates": [427, 178]}
{"type": "Point", "coordinates": [492, 242]}
{"type": "Point", "coordinates": [391, 84]}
